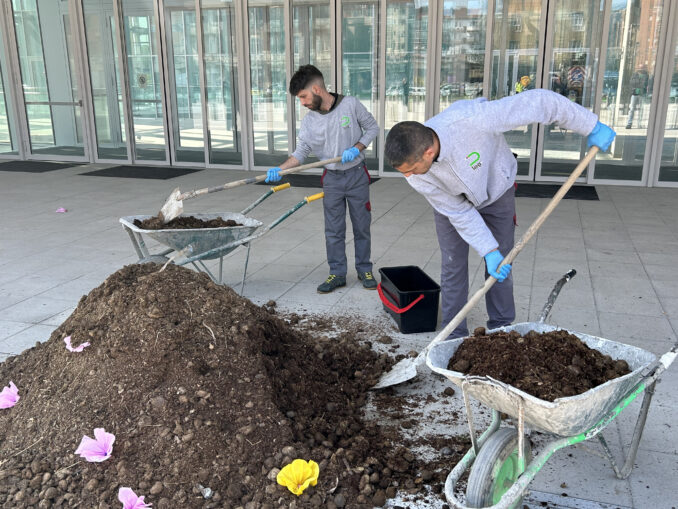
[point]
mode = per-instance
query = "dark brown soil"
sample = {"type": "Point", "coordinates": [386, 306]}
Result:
{"type": "Point", "coordinates": [180, 223]}
{"type": "Point", "coordinates": [549, 366]}
{"type": "Point", "coordinates": [202, 389]}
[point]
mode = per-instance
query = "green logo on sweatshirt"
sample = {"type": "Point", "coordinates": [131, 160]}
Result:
{"type": "Point", "coordinates": [345, 121]}
{"type": "Point", "coordinates": [474, 160]}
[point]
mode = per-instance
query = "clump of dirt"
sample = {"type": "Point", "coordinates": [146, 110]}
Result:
{"type": "Point", "coordinates": [551, 365]}
{"type": "Point", "coordinates": [183, 223]}
{"type": "Point", "coordinates": [203, 389]}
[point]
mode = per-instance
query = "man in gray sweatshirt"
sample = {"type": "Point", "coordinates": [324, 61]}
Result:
{"type": "Point", "coordinates": [335, 126]}
{"type": "Point", "coordinates": [460, 161]}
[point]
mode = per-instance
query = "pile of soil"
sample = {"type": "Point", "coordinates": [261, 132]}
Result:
{"type": "Point", "coordinates": [183, 223]}
{"type": "Point", "coordinates": [551, 365]}
{"type": "Point", "coordinates": [203, 389]}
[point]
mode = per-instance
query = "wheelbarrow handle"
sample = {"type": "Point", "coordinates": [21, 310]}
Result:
{"type": "Point", "coordinates": [230, 185]}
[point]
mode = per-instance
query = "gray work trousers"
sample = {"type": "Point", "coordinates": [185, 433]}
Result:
{"type": "Point", "coordinates": [454, 280]}
{"type": "Point", "coordinates": [350, 187]}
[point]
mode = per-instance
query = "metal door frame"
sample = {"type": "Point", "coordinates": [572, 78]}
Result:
{"type": "Point", "coordinates": [16, 87]}
{"type": "Point", "coordinates": [656, 104]}
{"type": "Point", "coordinates": [88, 95]}
{"type": "Point", "coordinates": [669, 37]}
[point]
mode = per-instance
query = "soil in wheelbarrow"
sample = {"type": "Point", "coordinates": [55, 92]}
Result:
{"type": "Point", "coordinates": [183, 223]}
{"type": "Point", "coordinates": [549, 366]}
{"type": "Point", "coordinates": [202, 389]}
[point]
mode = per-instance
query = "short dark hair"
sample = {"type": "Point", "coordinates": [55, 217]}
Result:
{"type": "Point", "coordinates": [406, 142]}
{"type": "Point", "coordinates": [305, 76]}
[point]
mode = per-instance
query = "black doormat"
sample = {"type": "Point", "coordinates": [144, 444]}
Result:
{"type": "Point", "coordinates": [35, 166]}
{"type": "Point", "coordinates": [142, 172]}
{"type": "Point", "coordinates": [526, 190]}
{"type": "Point", "coordinates": [303, 181]}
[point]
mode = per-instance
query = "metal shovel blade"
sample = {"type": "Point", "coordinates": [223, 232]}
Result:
{"type": "Point", "coordinates": [401, 372]}
{"type": "Point", "coordinates": [172, 208]}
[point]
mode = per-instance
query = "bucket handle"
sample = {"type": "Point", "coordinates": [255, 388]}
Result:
{"type": "Point", "coordinates": [392, 306]}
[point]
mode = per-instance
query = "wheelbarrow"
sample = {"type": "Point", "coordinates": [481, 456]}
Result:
{"type": "Point", "coordinates": [500, 460]}
{"type": "Point", "coordinates": [194, 245]}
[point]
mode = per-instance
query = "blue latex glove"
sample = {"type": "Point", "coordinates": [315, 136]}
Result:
{"type": "Point", "coordinates": [601, 137]}
{"type": "Point", "coordinates": [272, 175]}
{"type": "Point", "coordinates": [349, 155]}
{"type": "Point", "coordinates": [492, 260]}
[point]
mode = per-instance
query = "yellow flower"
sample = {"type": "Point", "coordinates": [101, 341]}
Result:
{"type": "Point", "coordinates": [298, 475]}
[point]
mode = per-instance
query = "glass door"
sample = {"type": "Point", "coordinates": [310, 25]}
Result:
{"type": "Point", "coordinates": [221, 67]}
{"type": "Point", "coordinates": [668, 149]}
{"type": "Point", "coordinates": [311, 44]}
{"type": "Point", "coordinates": [407, 25]}
{"type": "Point", "coordinates": [629, 99]}
{"type": "Point", "coordinates": [144, 82]}
{"type": "Point", "coordinates": [8, 134]}
{"type": "Point", "coordinates": [104, 77]}
{"type": "Point", "coordinates": [183, 77]}
{"type": "Point", "coordinates": [52, 103]}
{"type": "Point", "coordinates": [516, 41]}
{"type": "Point", "coordinates": [360, 61]}
{"type": "Point", "coordinates": [267, 29]}
{"type": "Point", "coordinates": [573, 55]}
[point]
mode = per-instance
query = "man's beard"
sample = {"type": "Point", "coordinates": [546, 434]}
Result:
{"type": "Point", "coordinates": [315, 103]}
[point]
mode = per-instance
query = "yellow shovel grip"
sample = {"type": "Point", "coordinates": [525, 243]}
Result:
{"type": "Point", "coordinates": [280, 187]}
{"type": "Point", "coordinates": [314, 197]}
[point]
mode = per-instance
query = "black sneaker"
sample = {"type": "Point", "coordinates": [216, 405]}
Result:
{"type": "Point", "coordinates": [331, 283]}
{"type": "Point", "coordinates": [368, 280]}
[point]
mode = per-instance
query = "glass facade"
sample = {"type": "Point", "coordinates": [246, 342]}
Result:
{"type": "Point", "coordinates": [629, 86]}
{"type": "Point", "coordinates": [572, 71]}
{"type": "Point", "coordinates": [516, 40]}
{"type": "Point", "coordinates": [104, 72]}
{"type": "Point", "coordinates": [268, 79]}
{"type": "Point", "coordinates": [145, 85]}
{"type": "Point", "coordinates": [94, 80]}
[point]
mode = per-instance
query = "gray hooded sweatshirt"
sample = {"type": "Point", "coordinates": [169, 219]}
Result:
{"type": "Point", "coordinates": [475, 166]}
{"type": "Point", "coordinates": [328, 133]}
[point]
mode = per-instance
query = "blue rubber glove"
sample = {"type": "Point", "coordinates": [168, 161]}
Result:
{"type": "Point", "coordinates": [601, 137]}
{"type": "Point", "coordinates": [272, 175]}
{"type": "Point", "coordinates": [349, 155]}
{"type": "Point", "coordinates": [492, 260]}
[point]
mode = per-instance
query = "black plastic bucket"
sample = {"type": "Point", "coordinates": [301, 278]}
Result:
{"type": "Point", "coordinates": [411, 297]}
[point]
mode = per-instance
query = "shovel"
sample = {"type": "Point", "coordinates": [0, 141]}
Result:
{"type": "Point", "coordinates": [406, 369]}
{"type": "Point", "coordinates": [175, 206]}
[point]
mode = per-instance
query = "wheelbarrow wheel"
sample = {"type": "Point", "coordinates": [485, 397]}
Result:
{"type": "Point", "coordinates": [496, 468]}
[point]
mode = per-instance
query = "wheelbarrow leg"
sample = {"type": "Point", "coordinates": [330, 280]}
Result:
{"type": "Point", "coordinates": [137, 243]}
{"type": "Point", "coordinates": [625, 471]}
{"type": "Point", "coordinates": [244, 272]}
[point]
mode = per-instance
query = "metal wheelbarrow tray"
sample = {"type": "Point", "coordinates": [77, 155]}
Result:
{"type": "Point", "coordinates": [500, 459]}
{"type": "Point", "coordinates": [194, 245]}
{"type": "Point", "coordinates": [564, 416]}
{"type": "Point", "coordinates": [201, 239]}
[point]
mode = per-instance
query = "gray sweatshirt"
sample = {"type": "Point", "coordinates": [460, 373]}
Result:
{"type": "Point", "coordinates": [475, 166]}
{"type": "Point", "coordinates": [328, 133]}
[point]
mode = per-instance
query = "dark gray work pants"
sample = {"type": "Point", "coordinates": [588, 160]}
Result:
{"type": "Point", "coordinates": [454, 278]}
{"type": "Point", "coordinates": [350, 187]}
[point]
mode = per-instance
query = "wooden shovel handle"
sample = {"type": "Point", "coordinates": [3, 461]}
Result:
{"type": "Point", "coordinates": [230, 185]}
{"type": "Point", "coordinates": [517, 247]}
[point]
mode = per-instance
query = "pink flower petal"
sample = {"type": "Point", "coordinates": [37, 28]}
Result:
{"type": "Point", "coordinates": [78, 348]}
{"type": "Point", "coordinates": [9, 396]}
{"type": "Point", "coordinates": [96, 450]}
{"type": "Point", "coordinates": [130, 500]}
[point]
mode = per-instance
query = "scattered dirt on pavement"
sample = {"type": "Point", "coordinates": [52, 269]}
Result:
{"type": "Point", "coordinates": [203, 389]}
{"type": "Point", "coordinates": [549, 366]}
{"type": "Point", "coordinates": [185, 222]}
